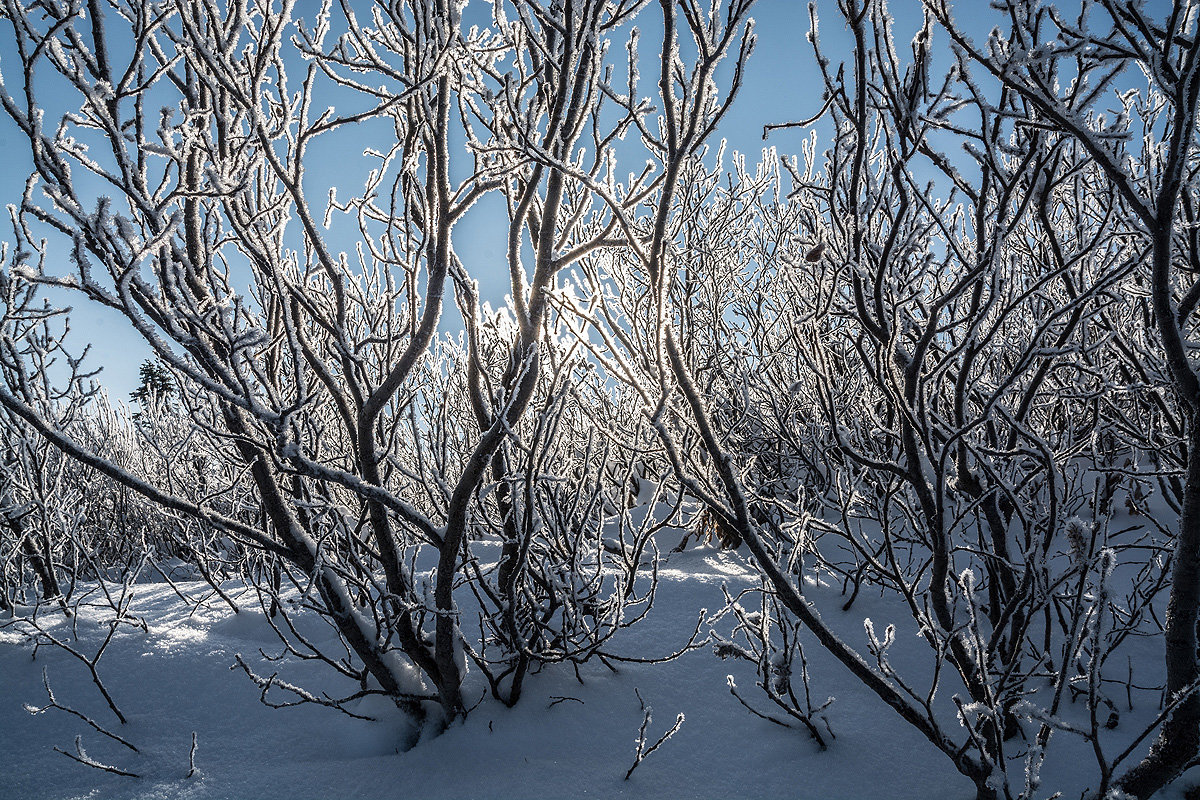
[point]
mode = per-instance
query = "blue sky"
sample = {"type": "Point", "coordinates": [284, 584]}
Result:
{"type": "Point", "coordinates": [781, 85]}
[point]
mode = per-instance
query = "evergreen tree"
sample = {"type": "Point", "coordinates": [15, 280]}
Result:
{"type": "Point", "coordinates": [157, 386]}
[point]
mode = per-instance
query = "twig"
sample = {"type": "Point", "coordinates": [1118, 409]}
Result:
{"type": "Point", "coordinates": [88, 761]}
{"type": "Point", "coordinates": [752, 709]}
{"type": "Point", "coordinates": [644, 752]}
{"type": "Point", "coordinates": [304, 695]}
{"type": "Point", "coordinates": [90, 663]}
{"type": "Point", "coordinates": [192, 758]}
{"type": "Point", "coordinates": [801, 124]}
{"type": "Point", "coordinates": [55, 704]}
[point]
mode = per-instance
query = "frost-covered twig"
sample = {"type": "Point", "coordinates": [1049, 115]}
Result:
{"type": "Point", "coordinates": [643, 752]}
{"type": "Point", "coordinates": [91, 662]}
{"type": "Point", "coordinates": [305, 696]}
{"type": "Point", "coordinates": [82, 757]}
{"type": "Point", "coordinates": [773, 646]}
{"type": "Point", "coordinates": [55, 704]}
{"type": "Point", "coordinates": [192, 758]}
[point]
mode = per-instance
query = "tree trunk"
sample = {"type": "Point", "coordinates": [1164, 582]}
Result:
{"type": "Point", "coordinates": [1178, 742]}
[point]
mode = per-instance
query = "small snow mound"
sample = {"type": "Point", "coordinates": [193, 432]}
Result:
{"type": "Point", "coordinates": [248, 623]}
{"type": "Point", "coordinates": [389, 731]}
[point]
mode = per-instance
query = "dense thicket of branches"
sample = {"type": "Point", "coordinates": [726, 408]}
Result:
{"type": "Point", "coordinates": [945, 353]}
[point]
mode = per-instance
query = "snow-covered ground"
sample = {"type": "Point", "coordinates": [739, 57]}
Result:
{"type": "Point", "coordinates": [564, 739]}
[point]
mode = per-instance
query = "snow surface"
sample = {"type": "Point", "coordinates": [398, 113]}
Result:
{"type": "Point", "coordinates": [175, 678]}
